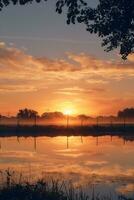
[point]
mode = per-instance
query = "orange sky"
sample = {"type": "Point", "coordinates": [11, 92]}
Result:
{"type": "Point", "coordinates": [80, 82]}
{"type": "Point", "coordinates": [47, 65]}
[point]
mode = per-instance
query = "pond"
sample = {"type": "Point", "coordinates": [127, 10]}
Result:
{"type": "Point", "coordinates": [105, 164]}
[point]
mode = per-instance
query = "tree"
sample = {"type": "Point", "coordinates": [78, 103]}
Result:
{"type": "Point", "coordinates": [126, 113]}
{"type": "Point", "coordinates": [27, 114]}
{"type": "Point", "coordinates": [83, 118]}
{"type": "Point", "coordinates": [112, 20]}
{"type": "Point", "coordinates": [52, 115]}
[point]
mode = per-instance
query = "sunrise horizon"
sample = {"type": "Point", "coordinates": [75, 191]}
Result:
{"type": "Point", "coordinates": [77, 81]}
{"type": "Point", "coordinates": [50, 114]}
{"type": "Point", "coordinates": [64, 111]}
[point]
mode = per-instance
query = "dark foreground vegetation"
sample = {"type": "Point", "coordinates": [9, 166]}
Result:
{"type": "Point", "coordinates": [46, 190]}
{"type": "Point", "coordinates": [41, 191]}
{"type": "Point", "coordinates": [121, 130]}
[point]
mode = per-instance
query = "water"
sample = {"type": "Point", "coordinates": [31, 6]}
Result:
{"type": "Point", "coordinates": [103, 163]}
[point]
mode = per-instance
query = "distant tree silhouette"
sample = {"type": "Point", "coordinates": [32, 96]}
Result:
{"type": "Point", "coordinates": [112, 20]}
{"type": "Point", "coordinates": [27, 114]}
{"type": "Point", "coordinates": [52, 115]}
{"type": "Point", "coordinates": [126, 113]}
{"type": "Point", "coordinates": [83, 118]}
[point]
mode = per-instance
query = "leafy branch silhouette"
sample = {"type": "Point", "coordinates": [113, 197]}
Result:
{"type": "Point", "coordinates": [111, 20]}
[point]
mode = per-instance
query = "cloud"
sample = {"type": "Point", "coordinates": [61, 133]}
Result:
{"type": "Point", "coordinates": [79, 90]}
{"type": "Point", "coordinates": [57, 40]}
{"type": "Point", "coordinates": [22, 72]}
{"type": "Point", "coordinates": [56, 65]}
{"type": "Point", "coordinates": [126, 189]}
{"type": "Point", "coordinates": [90, 62]}
{"type": "Point", "coordinates": [17, 88]}
{"type": "Point", "coordinates": [96, 163]}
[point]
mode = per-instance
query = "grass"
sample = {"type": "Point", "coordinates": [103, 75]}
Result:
{"type": "Point", "coordinates": [44, 190]}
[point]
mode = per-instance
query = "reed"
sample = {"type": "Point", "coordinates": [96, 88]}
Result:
{"type": "Point", "coordinates": [50, 189]}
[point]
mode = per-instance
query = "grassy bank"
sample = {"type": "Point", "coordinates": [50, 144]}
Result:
{"type": "Point", "coordinates": [126, 133]}
{"type": "Point", "coordinates": [53, 130]}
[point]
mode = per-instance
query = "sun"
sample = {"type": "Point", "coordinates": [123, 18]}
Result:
{"type": "Point", "coordinates": [67, 108]}
{"type": "Point", "coordinates": [68, 111]}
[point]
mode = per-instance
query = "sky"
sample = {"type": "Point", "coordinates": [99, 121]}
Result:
{"type": "Point", "coordinates": [47, 65]}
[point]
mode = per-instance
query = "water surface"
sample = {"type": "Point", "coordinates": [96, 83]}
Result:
{"type": "Point", "coordinates": [105, 163]}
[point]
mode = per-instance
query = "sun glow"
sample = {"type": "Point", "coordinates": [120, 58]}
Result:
{"type": "Point", "coordinates": [68, 111]}
{"type": "Point", "coordinates": [67, 108]}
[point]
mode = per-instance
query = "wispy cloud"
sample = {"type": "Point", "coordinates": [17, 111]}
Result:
{"type": "Point", "coordinates": [79, 90]}
{"type": "Point", "coordinates": [73, 75]}
{"type": "Point", "coordinates": [46, 39]}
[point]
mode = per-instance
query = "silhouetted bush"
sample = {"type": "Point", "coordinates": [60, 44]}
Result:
{"type": "Point", "coordinates": [126, 113]}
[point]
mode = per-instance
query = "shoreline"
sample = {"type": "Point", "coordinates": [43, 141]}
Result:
{"type": "Point", "coordinates": [54, 130]}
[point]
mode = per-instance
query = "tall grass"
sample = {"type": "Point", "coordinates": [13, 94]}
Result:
{"type": "Point", "coordinates": [12, 189]}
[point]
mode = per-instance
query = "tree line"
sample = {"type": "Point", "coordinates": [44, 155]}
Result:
{"type": "Point", "coordinates": [31, 114]}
